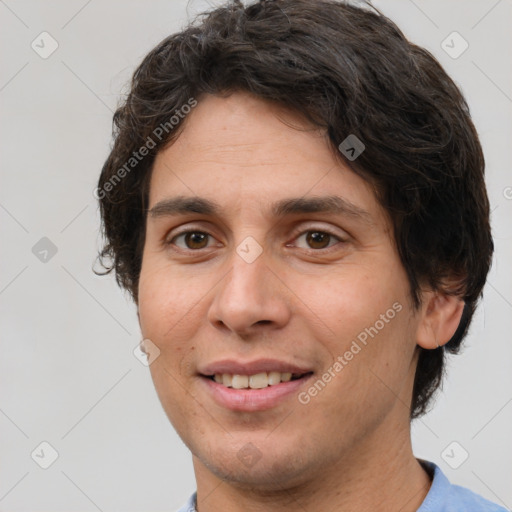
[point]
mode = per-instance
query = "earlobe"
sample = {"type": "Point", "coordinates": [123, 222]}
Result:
{"type": "Point", "coordinates": [440, 317]}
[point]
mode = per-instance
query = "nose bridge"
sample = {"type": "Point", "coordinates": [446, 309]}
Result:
{"type": "Point", "coordinates": [250, 292]}
{"type": "Point", "coordinates": [246, 279]}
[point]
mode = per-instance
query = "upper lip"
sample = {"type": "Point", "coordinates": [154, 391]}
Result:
{"type": "Point", "coordinates": [234, 367]}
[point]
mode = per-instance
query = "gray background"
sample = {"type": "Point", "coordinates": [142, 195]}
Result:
{"type": "Point", "coordinates": [68, 373]}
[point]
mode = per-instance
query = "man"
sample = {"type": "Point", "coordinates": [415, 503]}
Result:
{"type": "Point", "coordinates": [295, 200]}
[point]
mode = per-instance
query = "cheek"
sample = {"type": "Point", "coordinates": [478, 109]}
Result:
{"type": "Point", "coordinates": [365, 318]}
{"type": "Point", "coordinates": [172, 310]}
{"type": "Point", "coordinates": [349, 299]}
{"type": "Point", "coordinates": [168, 318]}
{"type": "Point", "coordinates": [164, 298]}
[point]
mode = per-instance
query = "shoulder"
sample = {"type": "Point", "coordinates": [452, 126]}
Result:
{"type": "Point", "coordinates": [446, 497]}
{"type": "Point", "coordinates": [461, 498]}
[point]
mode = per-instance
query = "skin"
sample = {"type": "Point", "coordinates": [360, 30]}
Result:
{"type": "Point", "coordinates": [349, 448]}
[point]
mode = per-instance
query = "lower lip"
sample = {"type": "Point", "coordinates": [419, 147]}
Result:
{"type": "Point", "coordinates": [250, 400]}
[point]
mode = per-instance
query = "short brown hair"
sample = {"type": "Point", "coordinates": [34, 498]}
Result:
{"type": "Point", "coordinates": [349, 70]}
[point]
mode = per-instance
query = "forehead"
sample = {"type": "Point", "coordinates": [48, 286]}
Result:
{"type": "Point", "coordinates": [244, 152]}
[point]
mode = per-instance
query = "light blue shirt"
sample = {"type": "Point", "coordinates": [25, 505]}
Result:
{"type": "Point", "coordinates": [442, 497]}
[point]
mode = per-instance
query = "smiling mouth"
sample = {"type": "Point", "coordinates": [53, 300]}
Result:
{"type": "Point", "coordinates": [255, 381]}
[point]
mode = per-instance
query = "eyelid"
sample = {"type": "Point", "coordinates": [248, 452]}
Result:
{"type": "Point", "coordinates": [168, 239]}
{"type": "Point", "coordinates": [343, 237]}
{"type": "Point", "coordinates": [296, 233]}
{"type": "Point", "coordinates": [323, 251]}
{"type": "Point", "coordinates": [187, 228]}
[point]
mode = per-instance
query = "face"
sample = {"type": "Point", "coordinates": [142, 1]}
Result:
{"type": "Point", "coordinates": [263, 276]}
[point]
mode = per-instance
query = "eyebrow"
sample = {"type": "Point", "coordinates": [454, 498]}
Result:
{"type": "Point", "coordinates": [180, 205]}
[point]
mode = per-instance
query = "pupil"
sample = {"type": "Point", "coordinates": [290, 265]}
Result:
{"type": "Point", "coordinates": [314, 238]}
{"type": "Point", "coordinates": [195, 239]}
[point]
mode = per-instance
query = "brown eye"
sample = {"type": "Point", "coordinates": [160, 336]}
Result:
{"type": "Point", "coordinates": [196, 240]}
{"type": "Point", "coordinates": [318, 239]}
{"type": "Point", "coordinates": [193, 240]}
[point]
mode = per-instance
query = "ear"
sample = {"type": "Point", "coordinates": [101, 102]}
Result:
{"type": "Point", "coordinates": [440, 317]}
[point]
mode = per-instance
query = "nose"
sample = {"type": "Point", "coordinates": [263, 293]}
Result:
{"type": "Point", "coordinates": [251, 298]}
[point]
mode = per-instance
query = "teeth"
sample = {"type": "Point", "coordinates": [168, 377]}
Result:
{"type": "Point", "coordinates": [239, 381]}
{"type": "Point", "coordinates": [274, 378]}
{"type": "Point", "coordinates": [256, 381]}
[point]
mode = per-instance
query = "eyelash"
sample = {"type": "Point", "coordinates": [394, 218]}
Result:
{"type": "Point", "coordinates": [299, 234]}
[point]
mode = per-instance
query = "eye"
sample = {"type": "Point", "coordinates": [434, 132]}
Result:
{"type": "Point", "coordinates": [315, 239]}
{"type": "Point", "coordinates": [193, 240]}
{"type": "Point", "coordinates": [319, 240]}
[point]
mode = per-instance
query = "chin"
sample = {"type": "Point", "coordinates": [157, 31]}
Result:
{"type": "Point", "coordinates": [246, 466]}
